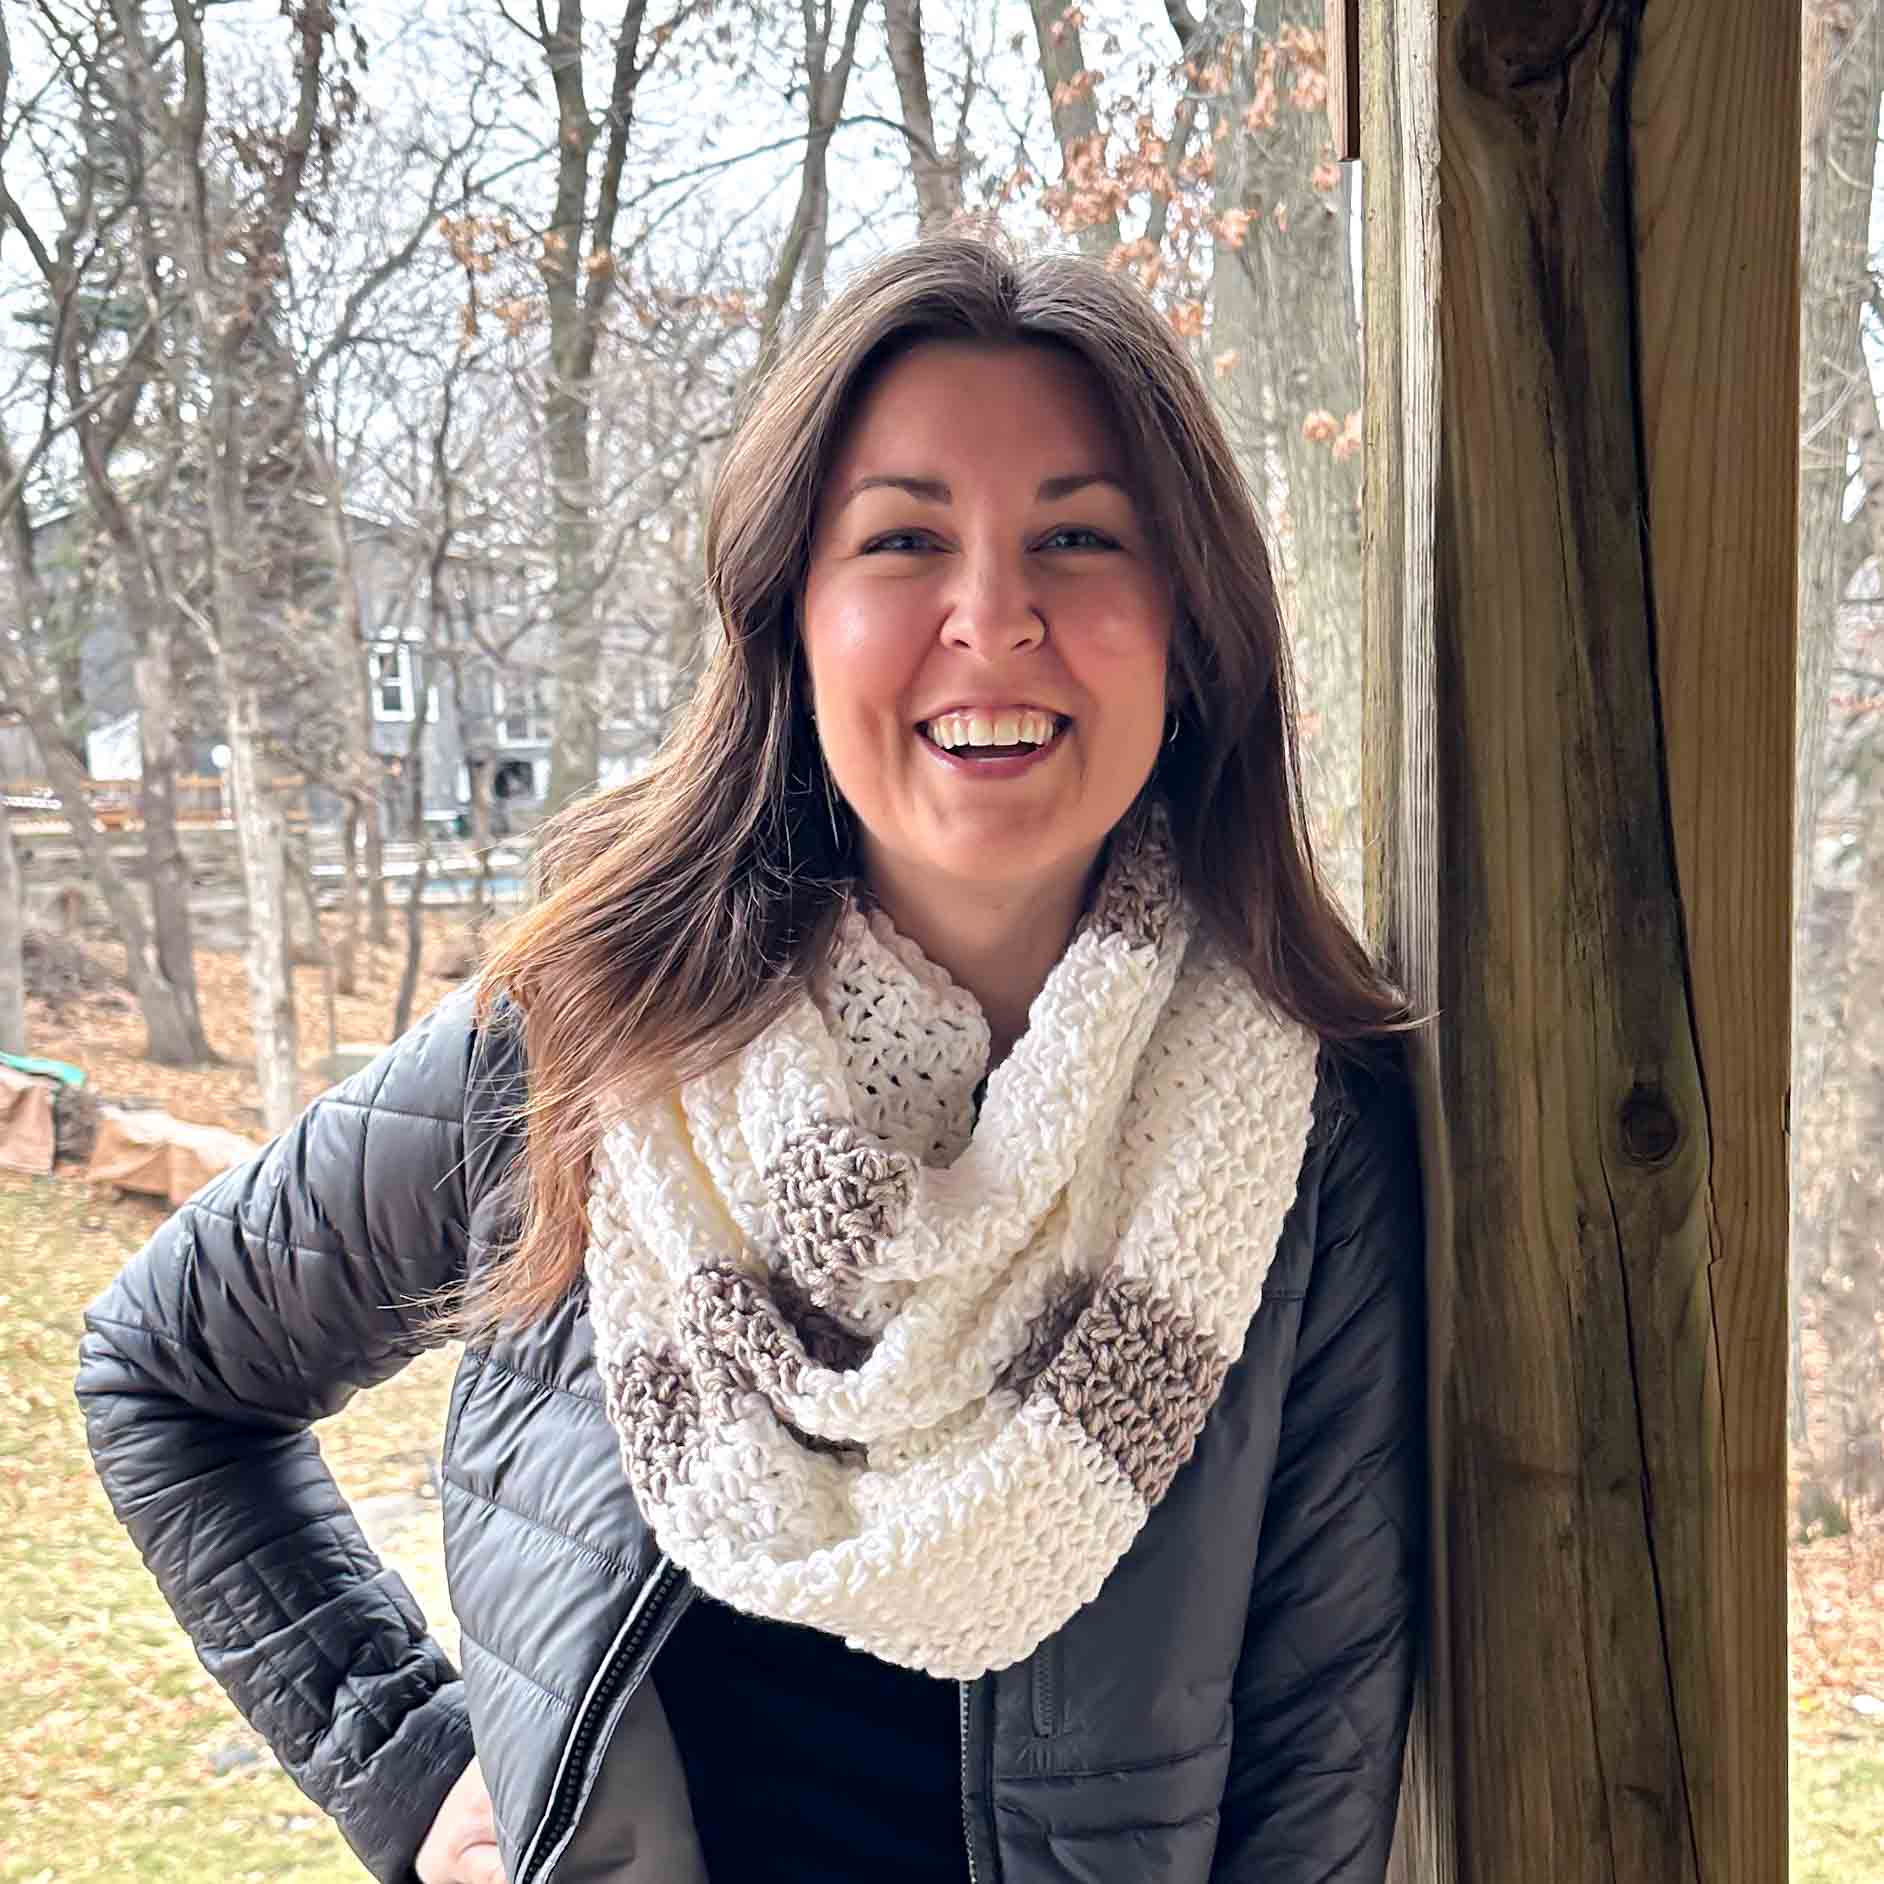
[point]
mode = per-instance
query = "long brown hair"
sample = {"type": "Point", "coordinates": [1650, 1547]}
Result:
{"type": "Point", "coordinates": [678, 914]}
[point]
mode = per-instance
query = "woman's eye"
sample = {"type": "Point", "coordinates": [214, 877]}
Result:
{"type": "Point", "coordinates": [1078, 536]}
{"type": "Point", "coordinates": [897, 542]}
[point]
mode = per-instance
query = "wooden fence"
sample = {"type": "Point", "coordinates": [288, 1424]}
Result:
{"type": "Point", "coordinates": [117, 804]}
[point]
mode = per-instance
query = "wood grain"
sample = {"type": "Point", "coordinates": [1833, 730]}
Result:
{"type": "Point", "coordinates": [1398, 760]}
{"type": "Point", "coordinates": [1580, 530]}
{"type": "Point", "coordinates": [1341, 30]}
{"type": "Point", "coordinates": [1715, 128]}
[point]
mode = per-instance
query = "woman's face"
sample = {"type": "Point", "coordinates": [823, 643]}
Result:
{"type": "Point", "coordinates": [986, 621]}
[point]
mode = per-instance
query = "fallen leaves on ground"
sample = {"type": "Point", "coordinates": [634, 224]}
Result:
{"type": "Point", "coordinates": [1835, 1616]}
{"type": "Point", "coordinates": [102, 1031]}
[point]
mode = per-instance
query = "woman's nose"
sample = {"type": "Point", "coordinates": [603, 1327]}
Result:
{"type": "Point", "coordinates": [994, 610]}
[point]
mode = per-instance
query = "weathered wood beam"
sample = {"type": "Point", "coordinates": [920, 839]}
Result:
{"type": "Point", "coordinates": [1400, 433]}
{"type": "Point", "coordinates": [1582, 328]}
{"type": "Point", "coordinates": [1341, 34]}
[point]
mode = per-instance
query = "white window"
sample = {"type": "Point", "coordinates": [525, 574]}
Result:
{"type": "Point", "coordinates": [522, 710]}
{"type": "Point", "coordinates": [390, 665]}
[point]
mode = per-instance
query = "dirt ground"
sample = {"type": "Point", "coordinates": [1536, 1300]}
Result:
{"type": "Point", "coordinates": [96, 1025]}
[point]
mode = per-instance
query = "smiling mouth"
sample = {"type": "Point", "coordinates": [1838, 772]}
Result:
{"type": "Point", "coordinates": [1005, 735]}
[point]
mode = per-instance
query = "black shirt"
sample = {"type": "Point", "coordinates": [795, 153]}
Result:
{"type": "Point", "coordinates": [808, 1762]}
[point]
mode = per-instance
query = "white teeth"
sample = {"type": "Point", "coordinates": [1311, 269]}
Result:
{"type": "Point", "coordinates": [955, 732]}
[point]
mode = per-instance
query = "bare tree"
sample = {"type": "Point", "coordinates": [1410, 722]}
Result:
{"type": "Point", "coordinates": [1844, 76]}
{"type": "Point", "coordinates": [579, 269]}
{"type": "Point", "coordinates": [105, 304]}
{"type": "Point", "coordinates": [367, 314]}
{"type": "Point", "coordinates": [802, 256]}
{"type": "Point", "coordinates": [230, 269]}
{"type": "Point", "coordinates": [32, 690]}
{"type": "Point", "coordinates": [1069, 82]}
{"type": "Point", "coordinates": [1844, 73]}
{"type": "Point", "coordinates": [1284, 350]}
{"type": "Point", "coordinates": [936, 174]}
{"type": "Point", "coordinates": [33, 693]}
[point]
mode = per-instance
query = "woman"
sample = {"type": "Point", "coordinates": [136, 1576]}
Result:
{"type": "Point", "coordinates": [943, 1259]}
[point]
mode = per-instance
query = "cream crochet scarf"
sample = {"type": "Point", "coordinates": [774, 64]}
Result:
{"type": "Point", "coordinates": [918, 1377]}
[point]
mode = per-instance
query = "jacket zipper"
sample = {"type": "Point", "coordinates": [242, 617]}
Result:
{"type": "Point", "coordinates": [968, 1830]}
{"type": "Point", "coordinates": [1044, 1674]}
{"type": "Point", "coordinates": [559, 1815]}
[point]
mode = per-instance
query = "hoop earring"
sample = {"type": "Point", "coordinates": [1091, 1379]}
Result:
{"type": "Point", "coordinates": [1175, 719]}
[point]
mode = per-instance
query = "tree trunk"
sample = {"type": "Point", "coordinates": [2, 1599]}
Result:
{"type": "Point", "coordinates": [261, 838]}
{"type": "Point", "coordinates": [1839, 1270]}
{"type": "Point", "coordinates": [938, 177]}
{"type": "Point", "coordinates": [1844, 68]}
{"type": "Point", "coordinates": [373, 861]}
{"type": "Point", "coordinates": [1083, 202]}
{"type": "Point", "coordinates": [168, 1036]}
{"type": "Point", "coordinates": [359, 768]}
{"type": "Point", "coordinates": [260, 820]}
{"type": "Point", "coordinates": [422, 869]}
{"type": "Point", "coordinates": [576, 287]}
{"type": "Point", "coordinates": [803, 250]}
{"type": "Point", "coordinates": [145, 588]}
{"type": "Point", "coordinates": [164, 859]}
{"type": "Point", "coordinates": [226, 314]}
{"type": "Point", "coordinates": [12, 938]}
{"type": "Point", "coordinates": [1844, 53]}
{"type": "Point", "coordinates": [312, 945]}
{"type": "Point", "coordinates": [347, 949]}
{"type": "Point", "coordinates": [238, 648]}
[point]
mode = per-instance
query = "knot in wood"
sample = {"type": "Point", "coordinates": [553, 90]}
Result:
{"type": "Point", "coordinates": [1650, 1128]}
{"type": "Point", "coordinates": [1505, 45]}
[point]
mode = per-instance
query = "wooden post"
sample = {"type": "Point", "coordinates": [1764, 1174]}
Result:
{"type": "Point", "coordinates": [1341, 30]}
{"type": "Point", "coordinates": [1582, 308]}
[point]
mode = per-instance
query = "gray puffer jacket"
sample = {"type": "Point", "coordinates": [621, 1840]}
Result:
{"type": "Point", "coordinates": [1231, 1707]}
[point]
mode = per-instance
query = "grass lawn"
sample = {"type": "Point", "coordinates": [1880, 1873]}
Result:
{"type": "Point", "coordinates": [120, 1759]}
{"type": "Point", "coordinates": [1838, 1812]}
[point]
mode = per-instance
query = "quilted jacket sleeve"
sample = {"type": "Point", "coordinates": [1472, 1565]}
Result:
{"type": "Point", "coordinates": [261, 1306]}
{"type": "Point", "coordinates": [1324, 1685]}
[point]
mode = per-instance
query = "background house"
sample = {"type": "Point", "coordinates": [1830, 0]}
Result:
{"type": "Point", "coordinates": [468, 683]}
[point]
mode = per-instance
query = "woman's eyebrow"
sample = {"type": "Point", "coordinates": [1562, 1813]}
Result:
{"type": "Point", "coordinates": [934, 491]}
{"type": "Point", "coordinates": [1056, 488]}
{"type": "Point", "coordinates": [929, 490]}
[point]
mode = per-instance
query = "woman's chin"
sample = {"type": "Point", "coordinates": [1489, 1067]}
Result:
{"type": "Point", "coordinates": [996, 861]}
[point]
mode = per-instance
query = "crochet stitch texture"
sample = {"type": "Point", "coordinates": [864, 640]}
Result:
{"type": "Point", "coordinates": [918, 1378]}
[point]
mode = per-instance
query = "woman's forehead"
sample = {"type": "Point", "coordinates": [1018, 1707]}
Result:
{"type": "Point", "coordinates": [949, 402]}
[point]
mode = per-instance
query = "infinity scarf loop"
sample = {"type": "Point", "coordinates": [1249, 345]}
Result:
{"type": "Point", "coordinates": [917, 1377]}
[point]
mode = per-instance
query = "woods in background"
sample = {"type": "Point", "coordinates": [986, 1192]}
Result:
{"type": "Point", "coordinates": [1838, 1047]}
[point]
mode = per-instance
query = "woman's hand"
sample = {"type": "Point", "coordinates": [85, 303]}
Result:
{"type": "Point", "coordinates": [461, 1847]}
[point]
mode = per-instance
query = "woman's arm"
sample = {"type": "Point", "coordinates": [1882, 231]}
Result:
{"type": "Point", "coordinates": [1325, 1680]}
{"type": "Point", "coordinates": [263, 1305]}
